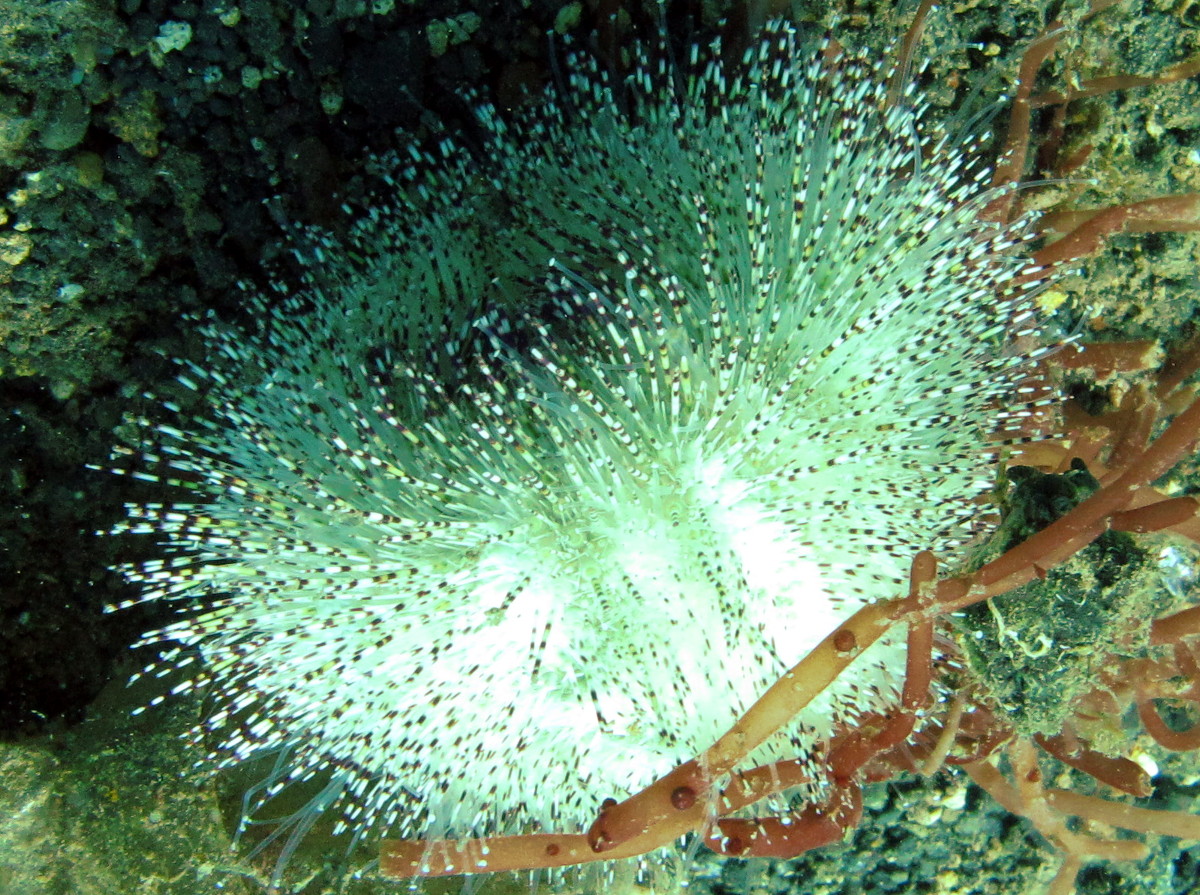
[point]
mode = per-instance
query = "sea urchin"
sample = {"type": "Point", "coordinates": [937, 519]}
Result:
{"type": "Point", "coordinates": [715, 351]}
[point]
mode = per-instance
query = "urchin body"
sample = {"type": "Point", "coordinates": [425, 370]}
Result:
{"type": "Point", "coordinates": [494, 583]}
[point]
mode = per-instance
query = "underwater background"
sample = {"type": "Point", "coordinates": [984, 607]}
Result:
{"type": "Point", "coordinates": [139, 143]}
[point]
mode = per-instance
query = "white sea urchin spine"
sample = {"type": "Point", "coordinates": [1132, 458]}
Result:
{"type": "Point", "coordinates": [770, 370]}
